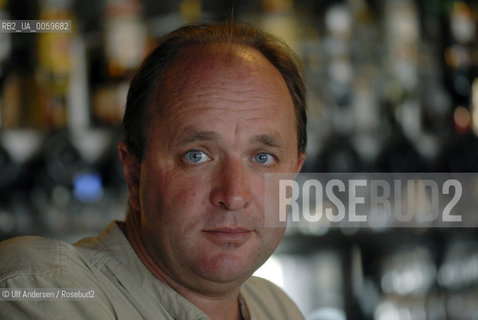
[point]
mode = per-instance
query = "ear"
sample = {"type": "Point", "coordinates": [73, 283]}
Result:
{"type": "Point", "coordinates": [131, 169]}
{"type": "Point", "coordinates": [300, 163]}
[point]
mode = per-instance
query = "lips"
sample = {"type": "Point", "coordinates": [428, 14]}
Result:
{"type": "Point", "coordinates": [225, 235]}
{"type": "Point", "coordinates": [232, 230]}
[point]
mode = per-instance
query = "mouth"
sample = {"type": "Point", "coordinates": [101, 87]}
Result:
{"type": "Point", "coordinates": [228, 235]}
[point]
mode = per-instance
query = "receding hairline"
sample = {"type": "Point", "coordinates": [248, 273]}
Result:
{"type": "Point", "coordinates": [227, 53]}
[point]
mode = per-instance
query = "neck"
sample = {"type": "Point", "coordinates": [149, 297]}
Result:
{"type": "Point", "coordinates": [217, 307]}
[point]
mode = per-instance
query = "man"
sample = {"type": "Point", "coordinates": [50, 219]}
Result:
{"type": "Point", "coordinates": [210, 112]}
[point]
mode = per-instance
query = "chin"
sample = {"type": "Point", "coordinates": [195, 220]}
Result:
{"type": "Point", "coordinates": [227, 268]}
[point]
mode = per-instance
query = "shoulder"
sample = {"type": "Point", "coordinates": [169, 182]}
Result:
{"type": "Point", "coordinates": [38, 263]}
{"type": "Point", "coordinates": [28, 252]}
{"type": "Point", "coordinates": [266, 300]}
{"type": "Point", "coordinates": [31, 255]}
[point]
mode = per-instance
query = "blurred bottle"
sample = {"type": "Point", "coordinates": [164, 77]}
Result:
{"type": "Point", "coordinates": [406, 144]}
{"type": "Point", "coordinates": [458, 275]}
{"type": "Point", "coordinates": [19, 107]}
{"type": "Point", "coordinates": [125, 36]}
{"type": "Point", "coordinates": [459, 152]}
{"type": "Point", "coordinates": [54, 64]}
{"type": "Point", "coordinates": [407, 280]}
{"type": "Point", "coordinates": [125, 44]}
{"type": "Point", "coordinates": [279, 18]}
{"type": "Point", "coordinates": [19, 164]}
{"type": "Point", "coordinates": [461, 64]}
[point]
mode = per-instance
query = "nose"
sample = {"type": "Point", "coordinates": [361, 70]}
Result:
{"type": "Point", "coordinates": [231, 188]}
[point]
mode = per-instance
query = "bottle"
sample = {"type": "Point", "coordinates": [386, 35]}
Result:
{"type": "Point", "coordinates": [54, 64]}
{"type": "Point", "coordinates": [125, 43]}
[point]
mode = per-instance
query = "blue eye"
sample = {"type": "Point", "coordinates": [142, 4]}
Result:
{"type": "Point", "coordinates": [196, 156]}
{"type": "Point", "coordinates": [264, 158]}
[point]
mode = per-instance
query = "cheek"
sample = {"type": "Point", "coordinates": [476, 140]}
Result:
{"type": "Point", "coordinates": [169, 194]}
{"type": "Point", "coordinates": [181, 190]}
{"type": "Point", "coordinates": [274, 235]}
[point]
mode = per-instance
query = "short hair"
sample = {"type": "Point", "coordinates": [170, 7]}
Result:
{"type": "Point", "coordinates": [147, 79]}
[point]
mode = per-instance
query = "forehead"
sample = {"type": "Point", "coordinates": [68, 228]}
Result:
{"type": "Point", "coordinates": [229, 69]}
{"type": "Point", "coordinates": [232, 91]}
{"type": "Point", "coordinates": [200, 60]}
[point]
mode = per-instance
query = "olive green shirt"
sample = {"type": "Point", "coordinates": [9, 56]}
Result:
{"type": "Point", "coordinates": [118, 283]}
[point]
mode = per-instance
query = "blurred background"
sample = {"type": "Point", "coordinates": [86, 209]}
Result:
{"type": "Point", "coordinates": [392, 87]}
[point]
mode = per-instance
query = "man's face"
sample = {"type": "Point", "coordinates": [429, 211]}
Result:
{"type": "Point", "coordinates": [225, 122]}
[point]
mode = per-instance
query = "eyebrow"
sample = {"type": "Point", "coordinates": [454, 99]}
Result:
{"type": "Point", "coordinates": [267, 140]}
{"type": "Point", "coordinates": [192, 135]}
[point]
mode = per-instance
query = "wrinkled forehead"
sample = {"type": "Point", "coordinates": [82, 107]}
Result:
{"type": "Point", "coordinates": [196, 64]}
{"type": "Point", "coordinates": [205, 62]}
{"type": "Point", "coordinates": [234, 79]}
